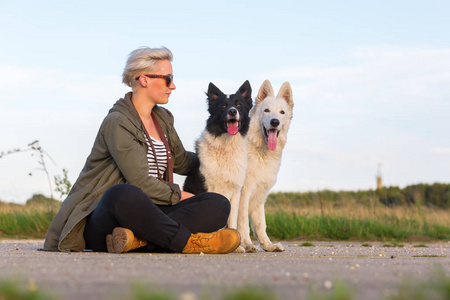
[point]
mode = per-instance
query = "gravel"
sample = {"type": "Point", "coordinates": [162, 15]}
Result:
{"type": "Point", "coordinates": [371, 272]}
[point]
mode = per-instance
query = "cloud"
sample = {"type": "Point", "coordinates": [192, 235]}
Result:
{"type": "Point", "coordinates": [444, 151]}
{"type": "Point", "coordinates": [378, 74]}
{"type": "Point", "coordinates": [377, 104]}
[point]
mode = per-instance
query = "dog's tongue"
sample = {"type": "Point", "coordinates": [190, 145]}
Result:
{"type": "Point", "coordinates": [233, 128]}
{"type": "Point", "coordinates": [272, 140]}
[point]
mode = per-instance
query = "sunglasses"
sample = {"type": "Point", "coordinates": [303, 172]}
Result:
{"type": "Point", "coordinates": [168, 78]}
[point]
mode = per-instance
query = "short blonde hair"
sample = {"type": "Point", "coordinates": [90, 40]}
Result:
{"type": "Point", "coordinates": [143, 60]}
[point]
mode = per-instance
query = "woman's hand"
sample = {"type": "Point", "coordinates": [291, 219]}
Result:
{"type": "Point", "coordinates": [186, 195]}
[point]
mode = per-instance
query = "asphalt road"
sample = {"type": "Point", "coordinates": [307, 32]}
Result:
{"type": "Point", "coordinates": [372, 272]}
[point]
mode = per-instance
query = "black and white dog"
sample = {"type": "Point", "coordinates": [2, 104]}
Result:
{"type": "Point", "coordinates": [222, 147]}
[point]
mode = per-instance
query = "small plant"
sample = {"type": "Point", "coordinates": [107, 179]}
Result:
{"type": "Point", "coordinates": [308, 244]}
{"type": "Point", "coordinates": [340, 291]}
{"type": "Point", "coordinates": [437, 288]}
{"type": "Point", "coordinates": [397, 244]}
{"type": "Point", "coordinates": [428, 255]}
{"type": "Point", "coordinates": [250, 293]}
{"type": "Point", "coordinates": [14, 290]}
{"type": "Point", "coordinates": [394, 244]}
{"type": "Point", "coordinates": [63, 184]}
{"type": "Point", "coordinates": [421, 246]}
{"type": "Point", "coordinates": [139, 292]}
{"type": "Point", "coordinates": [366, 245]}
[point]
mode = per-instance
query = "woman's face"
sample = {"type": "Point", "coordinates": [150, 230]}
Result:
{"type": "Point", "coordinates": [157, 90]}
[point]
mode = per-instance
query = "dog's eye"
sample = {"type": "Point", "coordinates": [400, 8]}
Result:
{"type": "Point", "coordinates": [282, 112]}
{"type": "Point", "coordinates": [267, 110]}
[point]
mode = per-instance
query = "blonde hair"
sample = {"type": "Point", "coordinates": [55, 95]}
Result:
{"type": "Point", "coordinates": [143, 60]}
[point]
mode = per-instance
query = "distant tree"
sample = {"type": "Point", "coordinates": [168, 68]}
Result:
{"type": "Point", "coordinates": [438, 194]}
{"type": "Point", "coordinates": [39, 199]}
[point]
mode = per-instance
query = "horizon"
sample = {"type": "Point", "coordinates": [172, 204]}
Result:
{"type": "Point", "coordinates": [271, 192]}
{"type": "Point", "coordinates": [370, 82]}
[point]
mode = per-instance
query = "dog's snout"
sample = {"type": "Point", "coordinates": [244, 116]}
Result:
{"type": "Point", "coordinates": [232, 112]}
{"type": "Point", "coordinates": [275, 122]}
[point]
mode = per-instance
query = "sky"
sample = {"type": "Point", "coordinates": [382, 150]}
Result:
{"type": "Point", "coordinates": [370, 79]}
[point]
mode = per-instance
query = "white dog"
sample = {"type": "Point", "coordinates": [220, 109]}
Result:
{"type": "Point", "coordinates": [269, 124]}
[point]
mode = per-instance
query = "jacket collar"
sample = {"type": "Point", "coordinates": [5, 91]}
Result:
{"type": "Point", "coordinates": [125, 106]}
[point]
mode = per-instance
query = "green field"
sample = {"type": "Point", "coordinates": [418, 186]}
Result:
{"type": "Point", "coordinates": [361, 216]}
{"type": "Point", "coordinates": [415, 213]}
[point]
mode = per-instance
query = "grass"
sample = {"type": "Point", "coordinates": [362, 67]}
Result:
{"type": "Point", "coordinates": [349, 219]}
{"type": "Point", "coordinates": [340, 291]}
{"type": "Point", "coordinates": [394, 244]}
{"type": "Point", "coordinates": [352, 208]}
{"type": "Point", "coordinates": [340, 219]}
{"type": "Point", "coordinates": [284, 226]}
{"type": "Point", "coordinates": [140, 292]}
{"type": "Point", "coordinates": [436, 287]}
{"type": "Point", "coordinates": [24, 221]}
{"type": "Point", "coordinates": [308, 244]}
{"type": "Point", "coordinates": [250, 293]}
{"type": "Point", "coordinates": [16, 291]}
{"type": "Point", "coordinates": [428, 255]}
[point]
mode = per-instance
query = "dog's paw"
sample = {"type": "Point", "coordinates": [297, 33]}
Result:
{"type": "Point", "coordinates": [273, 247]}
{"type": "Point", "coordinates": [250, 248]}
{"type": "Point", "coordinates": [239, 249]}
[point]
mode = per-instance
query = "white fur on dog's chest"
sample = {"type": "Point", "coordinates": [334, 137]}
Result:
{"type": "Point", "coordinates": [223, 158]}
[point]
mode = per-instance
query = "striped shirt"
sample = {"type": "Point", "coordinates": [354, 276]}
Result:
{"type": "Point", "coordinates": [161, 156]}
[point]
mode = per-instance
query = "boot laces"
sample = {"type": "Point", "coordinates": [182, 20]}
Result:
{"type": "Point", "coordinates": [201, 240]}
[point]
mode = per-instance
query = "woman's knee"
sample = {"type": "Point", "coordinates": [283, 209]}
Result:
{"type": "Point", "coordinates": [220, 202]}
{"type": "Point", "coordinates": [121, 192]}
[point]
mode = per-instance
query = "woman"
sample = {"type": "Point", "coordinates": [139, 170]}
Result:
{"type": "Point", "coordinates": [125, 198]}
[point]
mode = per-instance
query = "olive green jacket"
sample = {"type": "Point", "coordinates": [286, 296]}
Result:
{"type": "Point", "coordinates": [119, 155]}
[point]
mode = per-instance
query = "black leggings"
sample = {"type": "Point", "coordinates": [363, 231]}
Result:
{"type": "Point", "coordinates": [165, 228]}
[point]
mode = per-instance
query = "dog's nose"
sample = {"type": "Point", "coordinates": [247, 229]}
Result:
{"type": "Point", "coordinates": [275, 122]}
{"type": "Point", "coordinates": [232, 112]}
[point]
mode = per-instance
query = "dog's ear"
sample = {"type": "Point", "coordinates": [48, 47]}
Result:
{"type": "Point", "coordinates": [265, 91]}
{"type": "Point", "coordinates": [286, 94]}
{"type": "Point", "coordinates": [245, 90]}
{"type": "Point", "coordinates": [213, 92]}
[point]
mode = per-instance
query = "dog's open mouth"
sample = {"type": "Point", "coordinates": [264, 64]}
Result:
{"type": "Point", "coordinates": [233, 126]}
{"type": "Point", "coordinates": [272, 138]}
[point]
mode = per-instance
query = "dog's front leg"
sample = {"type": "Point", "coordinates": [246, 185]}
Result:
{"type": "Point", "coordinates": [232, 218]}
{"type": "Point", "coordinates": [243, 223]}
{"type": "Point", "coordinates": [258, 218]}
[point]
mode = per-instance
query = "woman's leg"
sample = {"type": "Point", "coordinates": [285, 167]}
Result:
{"type": "Point", "coordinates": [205, 212]}
{"type": "Point", "coordinates": [125, 205]}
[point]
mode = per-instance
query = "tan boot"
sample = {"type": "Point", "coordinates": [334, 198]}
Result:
{"type": "Point", "coordinates": [123, 240]}
{"type": "Point", "coordinates": [218, 242]}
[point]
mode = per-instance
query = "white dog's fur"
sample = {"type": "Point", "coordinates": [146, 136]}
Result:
{"type": "Point", "coordinates": [263, 164]}
{"type": "Point", "coordinates": [218, 157]}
